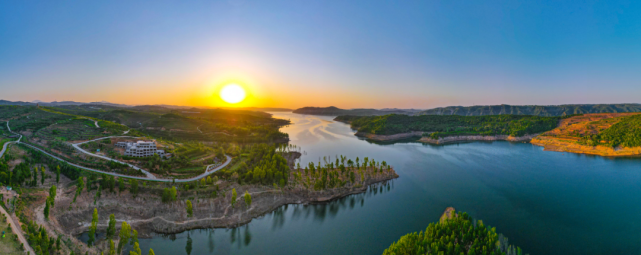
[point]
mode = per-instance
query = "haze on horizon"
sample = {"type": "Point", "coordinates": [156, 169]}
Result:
{"type": "Point", "coordinates": [349, 54]}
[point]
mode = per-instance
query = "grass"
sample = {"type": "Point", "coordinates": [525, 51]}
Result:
{"type": "Point", "coordinates": [9, 245]}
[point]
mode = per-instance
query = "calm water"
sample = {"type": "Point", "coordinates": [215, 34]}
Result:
{"type": "Point", "coordinates": [545, 202]}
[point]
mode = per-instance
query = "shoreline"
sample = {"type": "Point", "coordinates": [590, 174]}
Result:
{"type": "Point", "coordinates": [553, 144]}
{"type": "Point", "coordinates": [463, 138]}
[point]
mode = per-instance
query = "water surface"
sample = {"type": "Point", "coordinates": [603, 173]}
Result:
{"type": "Point", "coordinates": [545, 202]}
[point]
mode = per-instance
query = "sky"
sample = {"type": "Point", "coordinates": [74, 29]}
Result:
{"type": "Point", "coordinates": [349, 54]}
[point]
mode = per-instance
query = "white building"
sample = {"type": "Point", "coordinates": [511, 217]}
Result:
{"type": "Point", "coordinates": [140, 149]}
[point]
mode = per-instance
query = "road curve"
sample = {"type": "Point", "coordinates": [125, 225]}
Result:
{"type": "Point", "coordinates": [206, 173]}
{"type": "Point", "coordinates": [77, 146]}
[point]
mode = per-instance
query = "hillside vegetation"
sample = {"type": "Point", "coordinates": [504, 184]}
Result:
{"type": "Point", "coordinates": [538, 110]}
{"type": "Point", "coordinates": [454, 235]}
{"type": "Point", "coordinates": [448, 125]}
{"type": "Point", "coordinates": [334, 111]}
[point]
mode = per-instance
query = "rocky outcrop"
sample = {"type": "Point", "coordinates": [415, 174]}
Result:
{"type": "Point", "coordinates": [451, 139]}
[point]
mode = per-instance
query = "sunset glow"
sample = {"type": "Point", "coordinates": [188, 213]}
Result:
{"type": "Point", "coordinates": [232, 94]}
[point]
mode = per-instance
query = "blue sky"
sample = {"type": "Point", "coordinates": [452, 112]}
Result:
{"type": "Point", "coordinates": [406, 54]}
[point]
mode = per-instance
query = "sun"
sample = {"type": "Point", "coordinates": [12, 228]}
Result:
{"type": "Point", "coordinates": [232, 93]}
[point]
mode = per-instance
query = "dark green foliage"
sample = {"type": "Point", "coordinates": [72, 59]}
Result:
{"type": "Point", "coordinates": [458, 235]}
{"type": "Point", "coordinates": [264, 166]}
{"type": "Point", "coordinates": [626, 133]}
{"type": "Point", "coordinates": [538, 110]}
{"type": "Point", "coordinates": [515, 125]}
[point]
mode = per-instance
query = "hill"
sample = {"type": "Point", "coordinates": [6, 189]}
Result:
{"type": "Point", "coordinates": [538, 110]}
{"type": "Point", "coordinates": [334, 111]}
{"type": "Point", "coordinates": [605, 134]}
{"type": "Point", "coordinates": [455, 233]}
{"type": "Point", "coordinates": [450, 125]}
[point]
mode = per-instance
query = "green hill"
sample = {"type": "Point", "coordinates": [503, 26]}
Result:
{"type": "Point", "coordinates": [537, 110]}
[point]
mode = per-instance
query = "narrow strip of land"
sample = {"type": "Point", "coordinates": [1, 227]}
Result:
{"type": "Point", "coordinates": [16, 229]}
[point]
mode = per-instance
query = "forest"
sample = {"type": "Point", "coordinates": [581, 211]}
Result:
{"type": "Point", "coordinates": [458, 234]}
{"type": "Point", "coordinates": [449, 125]}
{"type": "Point", "coordinates": [624, 133]}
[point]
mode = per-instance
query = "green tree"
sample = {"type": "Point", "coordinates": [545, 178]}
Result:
{"type": "Point", "coordinates": [94, 226]}
{"type": "Point", "coordinates": [42, 175]}
{"type": "Point", "coordinates": [52, 194]}
{"type": "Point", "coordinates": [151, 252]}
{"type": "Point", "coordinates": [57, 174]}
{"type": "Point", "coordinates": [46, 210]}
{"type": "Point", "coordinates": [121, 184]}
{"type": "Point", "coordinates": [98, 194]}
{"type": "Point", "coordinates": [124, 236]}
{"type": "Point", "coordinates": [233, 197]}
{"type": "Point", "coordinates": [248, 199]}
{"type": "Point", "coordinates": [174, 193]}
{"type": "Point", "coordinates": [112, 247]}
{"type": "Point", "coordinates": [134, 187]}
{"type": "Point", "coordinates": [111, 229]}
{"type": "Point", "coordinates": [190, 209]}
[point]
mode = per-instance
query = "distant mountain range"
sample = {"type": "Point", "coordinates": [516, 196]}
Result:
{"type": "Point", "coordinates": [334, 111]}
{"type": "Point", "coordinates": [67, 103]}
{"type": "Point", "coordinates": [539, 110]}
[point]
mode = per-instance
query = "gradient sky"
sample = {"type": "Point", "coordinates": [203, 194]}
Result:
{"type": "Point", "coordinates": [404, 54]}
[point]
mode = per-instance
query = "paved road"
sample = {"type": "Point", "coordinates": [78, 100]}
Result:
{"type": "Point", "coordinates": [16, 229]}
{"type": "Point", "coordinates": [77, 146]}
{"type": "Point", "coordinates": [205, 174]}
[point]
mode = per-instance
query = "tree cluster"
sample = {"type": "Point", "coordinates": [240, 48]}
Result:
{"type": "Point", "coordinates": [454, 236]}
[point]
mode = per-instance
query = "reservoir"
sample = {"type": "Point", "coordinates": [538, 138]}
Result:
{"type": "Point", "coordinates": [545, 202]}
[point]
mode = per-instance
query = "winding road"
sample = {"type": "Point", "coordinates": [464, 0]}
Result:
{"type": "Point", "coordinates": [150, 177]}
{"type": "Point", "coordinates": [15, 227]}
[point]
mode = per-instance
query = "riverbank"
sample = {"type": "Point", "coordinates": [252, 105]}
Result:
{"type": "Point", "coordinates": [211, 208]}
{"type": "Point", "coordinates": [389, 138]}
{"type": "Point", "coordinates": [452, 139]}
{"type": "Point", "coordinates": [565, 145]}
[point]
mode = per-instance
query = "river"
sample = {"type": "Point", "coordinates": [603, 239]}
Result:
{"type": "Point", "coordinates": [544, 202]}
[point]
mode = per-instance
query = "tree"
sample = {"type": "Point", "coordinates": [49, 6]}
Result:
{"type": "Point", "coordinates": [209, 180]}
{"type": "Point", "coordinates": [46, 211]}
{"type": "Point", "coordinates": [137, 248]}
{"type": "Point", "coordinates": [233, 197]}
{"type": "Point", "coordinates": [124, 236]}
{"type": "Point", "coordinates": [98, 194]}
{"type": "Point", "coordinates": [190, 210]}
{"type": "Point", "coordinates": [173, 193]}
{"type": "Point", "coordinates": [57, 174]}
{"type": "Point", "coordinates": [94, 226]}
{"type": "Point", "coordinates": [134, 187]}
{"type": "Point", "coordinates": [112, 247]}
{"type": "Point", "coordinates": [81, 184]}
{"type": "Point", "coordinates": [42, 175]}
{"type": "Point", "coordinates": [121, 185]}
{"type": "Point", "coordinates": [151, 252]}
{"type": "Point", "coordinates": [52, 194]}
{"type": "Point", "coordinates": [111, 229]}
{"type": "Point", "coordinates": [248, 199]}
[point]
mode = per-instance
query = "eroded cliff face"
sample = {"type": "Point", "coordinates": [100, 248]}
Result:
{"type": "Point", "coordinates": [451, 139]}
{"type": "Point", "coordinates": [565, 145]}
